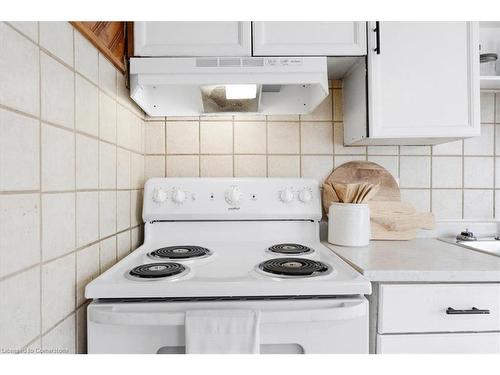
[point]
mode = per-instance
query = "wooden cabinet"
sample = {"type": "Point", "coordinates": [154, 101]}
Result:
{"type": "Point", "coordinates": [421, 87]}
{"type": "Point", "coordinates": [192, 38]}
{"type": "Point", "coordinates": [309, 38]}
{"type": "Point", "coordinates": [438, 318]}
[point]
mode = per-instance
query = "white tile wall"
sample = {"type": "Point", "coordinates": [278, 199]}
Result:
{"type": "Point", "coordinates": [57, 92]}
{"type": "Point", "coordinates": [87, 106]}
{"type": "Point", "coordinates": [62, 220]}
{"type": "Point", "coordinates": [58, 229]}
{"type": "Point", "coordinates": [19, 152]}
{"type": "Point", "coordinates": [435, 178]}
{"type": "Point", "coordinates": [19, 75]}
{"type": "Point", "coordinates": [20, 219]}
{"type": "Point", "coordinates": [20, 309]}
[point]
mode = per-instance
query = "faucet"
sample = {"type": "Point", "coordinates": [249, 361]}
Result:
{"type": "Point", "coordinates": [466, 236]}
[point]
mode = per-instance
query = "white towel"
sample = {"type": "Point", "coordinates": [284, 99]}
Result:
{"type": "Point", "coordinates": [222, 331]}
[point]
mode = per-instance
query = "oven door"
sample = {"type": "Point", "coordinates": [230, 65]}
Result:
{"type": "Point", "coordinates": [333, 325]}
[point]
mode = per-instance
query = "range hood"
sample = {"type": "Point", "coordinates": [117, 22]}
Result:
{"type": "Point", "coordinates": [197, 86]}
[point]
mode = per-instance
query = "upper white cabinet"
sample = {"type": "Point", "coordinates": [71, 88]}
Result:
{"type": "Point", "coordinates": [422, 85]}
{"type": "Point", "coordinates": [309, 38]}
{"type": "Point", "coordinates": [192, 38]}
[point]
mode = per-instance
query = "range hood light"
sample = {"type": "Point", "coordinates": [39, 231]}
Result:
{"type": "Point", "coordinates": [241, 91]}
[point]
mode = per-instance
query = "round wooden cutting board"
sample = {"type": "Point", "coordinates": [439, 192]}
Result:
{"type": "Point", "coordinates": [355, 172]}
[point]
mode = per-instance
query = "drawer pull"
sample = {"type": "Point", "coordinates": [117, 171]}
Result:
{"type": "Point", "coordinates": [474, 310]}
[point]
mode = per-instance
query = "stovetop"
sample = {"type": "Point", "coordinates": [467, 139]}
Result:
{"type": "Point", "coordinates": [233, 267]}
{"type": "Point", "coordinates": [243, 234]}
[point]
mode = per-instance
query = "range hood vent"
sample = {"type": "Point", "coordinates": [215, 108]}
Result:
{"type": "Point", "coordinates": [224, 85]}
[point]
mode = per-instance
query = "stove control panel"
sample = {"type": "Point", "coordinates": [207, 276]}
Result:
{"type": "Point", "coordinates": [231, 199]}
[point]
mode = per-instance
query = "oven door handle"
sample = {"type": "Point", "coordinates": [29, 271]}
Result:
{"type": "Point", "coordinates": [112, 316]}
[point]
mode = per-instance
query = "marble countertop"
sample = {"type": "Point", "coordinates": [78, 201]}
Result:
{"type": "Point", "coordinates": [420, 260]}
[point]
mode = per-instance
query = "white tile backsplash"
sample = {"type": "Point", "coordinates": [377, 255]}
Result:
{"type": "Point", "coordinates": [483, 145]}
{"type": "Point", "coordinates": [447, 204]}
{"type": "Point", "coordinates": [58, 229]}
{"type": "Point", "coordinates": [87, 268]}
{"type": "Point", "coordinates": [19, 219]}
{"type": "Point", "coordinates": [447, 172]}
{"type": "Point", "coordinates": [87, 162]}
{"type": "Point", "coordinates": [58, 181]}
{"type": "Point", "coordinates": [316, 166]}
{"type": "Point", "coordinates": [183, 137]}
{"type": "Point", "coordinates": [20, 309]}
{"type": "Point", "coordinates": [414, 172]}
{"type": "Point", "coordinates": [283, 166]}
{"type": "Point", "coordinates": [87, 217]}
{"type": "Point", "coordinates": [61, 339]}
{"type": "Point", "coordinates": [216, 137]}
{"type": "Point", "coordinates": [316, 138]}
{"type": "Point", "coordinates": [107, 76]}
{"type": "Point", "coordinates": [57, 38]}
{"type": "Point", "coordinates": [122, 169]}
{"type": "Point", "coordinates": [249, 137]}
{"type": "Point", "coordinates": [183, 166]}
{"type": "Point", "coordinates": [28, 28]}
{"type": "Point", "coordinates": [107, 213]}
{"type": "Point", "coordinates": [107, 253]}
{"type": "Point", "coordinates": [86, 106]}
{"type": "Point", "coordinates": [478, 172]}
{"type": "Point", "coordinates": [216, 165]}
{"type": "Point", "coordinates": [58, 159]}
{"type": "Point", "coordinates": [58, 290]}
{"type": "Point", "coordinates": [107, 166]}
{"type": "Point", "coordinates": [122, 210]}
{"type": "Point", "coordinates": [19, 152]}
{"type": "Point", "coordinates": [478, 204]}
{"type": "Point", "coordinates": [155, 137]}
{"type": "Point", "coordinates": [86, 58]}
{"type": "Point", "coordinates": [283, 138]}
{"type": "Point", "coordinates": [19, 72]}
{"type": "Point", "coordinates": [107, 118]}
{"type": "Point", "coordinates": [250, 165]}
{"type": "Point", "coordinates": [57, 92]}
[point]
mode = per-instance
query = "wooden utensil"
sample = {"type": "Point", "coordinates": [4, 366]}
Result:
{"type": "Point", "coordinates": [356, 172]}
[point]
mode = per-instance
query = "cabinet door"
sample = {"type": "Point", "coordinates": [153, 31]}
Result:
{"type": "Point", "coordinates": [309, 38]}
{"type": "Point", "coordinates": [423, 80]}
{"type": "Point", "coordinates": [192, 38]}
{"type": "Point", "coordinates": [450, 343]}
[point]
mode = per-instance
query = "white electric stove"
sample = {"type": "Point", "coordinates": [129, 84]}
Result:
{"type": "Point", "coordinates": [230, 243]}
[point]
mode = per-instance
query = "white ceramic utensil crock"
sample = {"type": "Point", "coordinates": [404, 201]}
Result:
{"type": "Point", "coordinates": [349, 224]}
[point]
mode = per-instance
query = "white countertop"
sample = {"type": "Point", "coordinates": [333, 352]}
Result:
{"type": "Point", "coordinates": [420, 260]}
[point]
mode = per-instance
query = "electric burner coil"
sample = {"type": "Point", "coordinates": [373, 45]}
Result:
{"type": "Point", "coordinates": [290, 249]}
{"type": "Point", "coordinates": [157, 270]}
{"type": "Point", "coordinates": [180, 252]}
{"type": "Point", "coordinates": [294, 267]}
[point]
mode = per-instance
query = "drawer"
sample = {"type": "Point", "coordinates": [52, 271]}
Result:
{"type": "Point", "coordinates": [423, 308]}
{"type": "Point", "coordinates": [439, 343]}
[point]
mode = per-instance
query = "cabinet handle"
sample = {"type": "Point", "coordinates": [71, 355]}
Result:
{"type": "Point", "coordinates": [474, 310]}
{"type": "Point", "coordinates": [377, 37]}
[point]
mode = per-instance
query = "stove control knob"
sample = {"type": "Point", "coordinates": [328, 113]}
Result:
{"type": "Point", "coordinates": [286, 195]}
{"type": "Point", "coordinates": [305, 195]}
{"type": "Point", "coordinates": [233, 196]}
{"type": "Point", "coordinates": [178, 196]}
{"type": "Point", "coordinates": [159, 195]}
